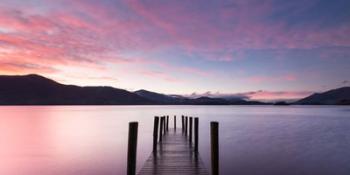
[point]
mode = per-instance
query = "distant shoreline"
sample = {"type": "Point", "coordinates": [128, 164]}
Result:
{"type": "Point", "coordinates": [36, 90]}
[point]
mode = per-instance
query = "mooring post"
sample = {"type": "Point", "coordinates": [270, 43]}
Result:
{"type": "Point", "coordinates": [186, 125]}
{"type": "Point", "coordinates": [190, 133]}
{"type": "Point", "coordinates": [164, 127]}
{"type": "Point", "coordinates": [214, 140]}
{"type": "Point", "coordinates": [161, 129]}
{"type": "Point", "coordinates": [183, 123]}
{"type": "Point", "coordinates": [196, 134]}
{"type": "Point", "coordinates": [132, 148]}
{"type": "Point", "coordinates": [175, 122]}
{"type": "Point", "coordinates": [167, 123]}
{"type": "Point", "coordinates": [155, 134]}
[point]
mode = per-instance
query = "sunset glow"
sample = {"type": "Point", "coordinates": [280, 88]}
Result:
{"type": "Point", "coordinates": [260, 49]}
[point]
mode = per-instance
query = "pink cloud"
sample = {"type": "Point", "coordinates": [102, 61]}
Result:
{"type": "Point", "coordinates": [87, 30]}
{"type": "Point", "coordinates": [289, 77]}
{"type": "Point", "coordinates": [40, 41]}
{"type": "Point", "coordinates": [272, 79]}
{"type": "Point", "coordinates": [236, 27]}
{"type": "Point", "coordinates": [97, 34]}
{"type": "Point", "coordinates": [8, 68]}
{"type": "Point", "coordinates": [19, 21]}
{"type": "Point", "coordinates": [161, 64]}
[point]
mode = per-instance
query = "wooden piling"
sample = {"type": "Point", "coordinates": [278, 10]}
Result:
{"type": "Point", "coordinates": [214, 140]}
{"type": "Point", "coordinates": [183, 123]}
{"type": "Point", "coordinates": [164, 127]}
{"type": "Point", "coordinates": [155, 134]}
{"type": "Point", "coordinates": [175, 122]}
{"type": "Point", "coordinates": [161, 129]}
{"type": "Point", "coordinates": [167, 123]}
{"type": "Point", "coordinates": [196, 121]}
{"type": "Point", "coordinates": [132, 148]}
{"type": "Point", "coordinates": [186, 125]}
{"type": "Point", "coordinates": [190, 133]}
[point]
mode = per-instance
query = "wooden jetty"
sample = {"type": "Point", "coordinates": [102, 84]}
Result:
{"type": "Point", "coordinates": [175, 152]}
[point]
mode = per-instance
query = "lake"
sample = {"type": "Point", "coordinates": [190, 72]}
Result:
{"type": "Point", "coordinates": [254, 140]}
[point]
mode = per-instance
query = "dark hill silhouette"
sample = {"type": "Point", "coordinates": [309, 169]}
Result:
{"type": "Point", "coordinates": [37, 90]}
{"type": "Point", "coordinates": [159, 98]}
{"type": "Point", "coordinates": [281, 103]}
{"type": "Point", "coordinates": [209, 101]}
{"type": "Point", "coordinates": [340, 96]}
{"type": "Point", "coordinates": [224, 101]}
{"type": "Point", "coordinates": [180, 100]}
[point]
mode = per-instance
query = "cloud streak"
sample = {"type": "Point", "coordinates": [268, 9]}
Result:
{"type": "Point", "coordinates": [178, 41]}
{"type": "Point", "coordinates": [256, 95]}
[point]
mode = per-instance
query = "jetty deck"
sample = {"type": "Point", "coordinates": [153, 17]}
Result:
{"type": "Point", "coordinates": [175, 152]}
{"type": "Point", "coordinates": [175, 155]}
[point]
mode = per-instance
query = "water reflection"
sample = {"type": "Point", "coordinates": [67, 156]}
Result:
{"type": "Point", "coordinates": [64, 140]}
{"type": "Point", "coordinates": [92, 140]}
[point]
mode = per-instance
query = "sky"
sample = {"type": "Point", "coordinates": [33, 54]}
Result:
{"type": "Point", "coordinates": [263, 49]}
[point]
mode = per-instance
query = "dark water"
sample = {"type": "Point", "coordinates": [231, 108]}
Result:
{"type": "Point", "coordinates": [91, 140]}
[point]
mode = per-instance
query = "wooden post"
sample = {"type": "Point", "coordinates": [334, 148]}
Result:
{"type": "Point", "coordinates": [186, 125]}
{"type": "Point", "coordinates": [161, 129]}
{"type": "Point", "coordinates": [175, 122]}
{"type": "Point", "coordinates": [196, 121]}
{"type": "Point", "coordinates": [183, 123]}
{"type": "Point", "coordinates": [190, 133]}
{"type": "Point", "coordinates": [167, 123]}
{"type": "Point", "coordinates": [132, 148]}
{"type": "Point", "coordinates": [164, 127]}
{"type": "Point", "coordinates": [214, 139]}
{"type": "Point", "coordinates": [155, 134]}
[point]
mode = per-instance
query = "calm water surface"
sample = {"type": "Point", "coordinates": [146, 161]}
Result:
{"type": "Point", "coordinates": [92, 140]}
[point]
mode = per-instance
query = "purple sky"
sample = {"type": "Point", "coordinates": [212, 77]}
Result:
{"type": "Point", "coordinates": [264, 49]}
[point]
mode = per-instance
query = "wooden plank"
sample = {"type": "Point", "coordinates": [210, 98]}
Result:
{"type": "Point", "coordinates": [174, 156]}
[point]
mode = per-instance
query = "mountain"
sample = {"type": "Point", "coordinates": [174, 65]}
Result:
{"type": "Point", "coordinates": [281, 103]}
{"type": "Point", "coordinates": [180, 100]}
{"type": "Point", "coordinates": [37, 90]}
{"type": "Point", "coordinates": [340, 96]}
{"type": "Point", "coordinates": [159, 98]}
{"type": "Point", "coordinates": [209, 101]}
